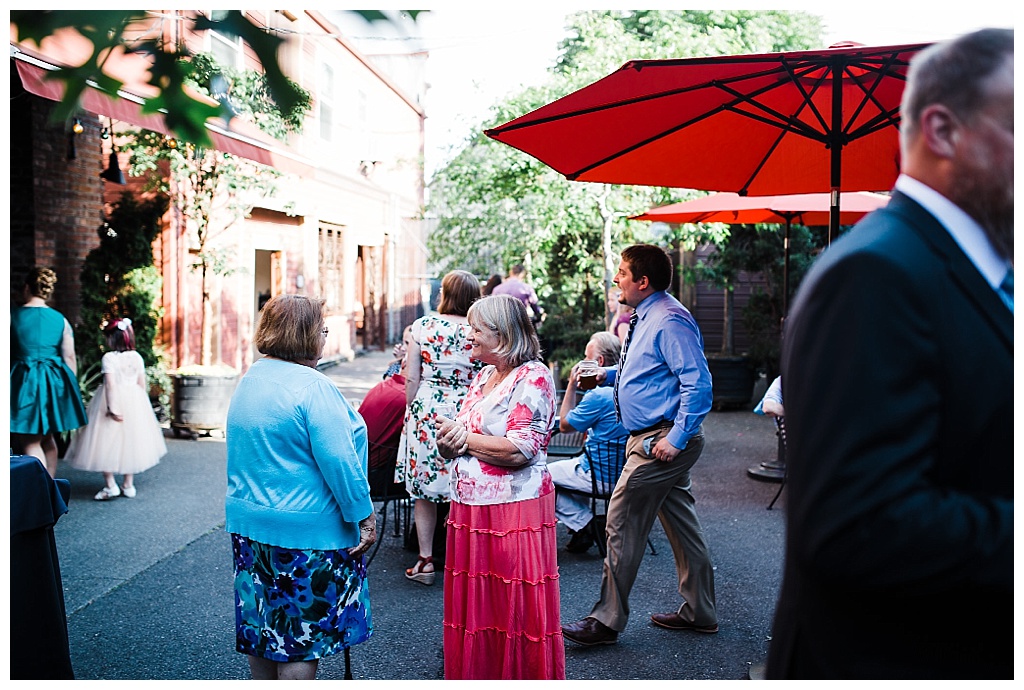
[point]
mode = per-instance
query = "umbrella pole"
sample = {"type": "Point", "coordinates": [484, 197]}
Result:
{"type": "Point", "coordinates": [785, 269]}
{"type": "Point", "coordinates": [836, 145]}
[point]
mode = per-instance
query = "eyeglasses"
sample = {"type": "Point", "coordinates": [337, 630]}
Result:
{"type": "Point", "coordinates": [324, 331]}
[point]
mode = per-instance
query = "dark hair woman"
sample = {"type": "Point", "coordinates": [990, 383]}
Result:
{"type": "Point", "coordinates": [492, 282]}
{"type": "Point", "coordinates": [437, 376]}
{"type": "Point", "coordinates": [45, 398]}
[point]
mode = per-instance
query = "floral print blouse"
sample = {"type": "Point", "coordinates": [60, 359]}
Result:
{"type": "Point", "coordinates": [522, 409]}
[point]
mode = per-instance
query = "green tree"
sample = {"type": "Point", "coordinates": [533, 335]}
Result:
{"type": "Point", "coordinates": [212, 190]}
{"type": "Point", "coordinates": [495, 205]}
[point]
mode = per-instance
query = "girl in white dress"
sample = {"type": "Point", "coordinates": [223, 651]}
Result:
{"type": "Point", "coordinates": [123, 435]}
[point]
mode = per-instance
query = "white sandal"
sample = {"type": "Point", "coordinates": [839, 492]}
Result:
{"type": "Point", "coordinates": [106, 493]}
{"type": "Point", "coordinates": [128, 491]}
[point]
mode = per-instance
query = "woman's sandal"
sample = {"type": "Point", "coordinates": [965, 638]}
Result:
{"type": "Point", "coordinates": [416, 573]}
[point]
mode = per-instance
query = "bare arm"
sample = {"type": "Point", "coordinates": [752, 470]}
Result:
{"type": "Point", "coordinates": [569, 400]}
{"type": "Point", "coordinates": [67, 348]}
{"type": "Point", "coordinates": [413, 365]}
{"type": "Point", "coordinates": [113, 402]}
{"type": "Point", "coordinates": [622, 330]}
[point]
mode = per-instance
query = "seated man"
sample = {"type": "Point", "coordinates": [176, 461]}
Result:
{"type": "Point", "coordinates": [595, 414]}
{"type": "Point", "coordinates": [383, 410]}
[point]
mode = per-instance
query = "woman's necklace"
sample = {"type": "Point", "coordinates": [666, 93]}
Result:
{"type": "Point", "coordinates": [497, 378]}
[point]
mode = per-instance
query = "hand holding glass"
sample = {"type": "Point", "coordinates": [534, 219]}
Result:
{"type": "Point", "coordinates": [588, 369]}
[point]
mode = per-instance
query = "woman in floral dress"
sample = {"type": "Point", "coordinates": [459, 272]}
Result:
{"type": "Point", "coordinates": [438, 373]}
{"type": "Point", "coordinates": [501, 598]}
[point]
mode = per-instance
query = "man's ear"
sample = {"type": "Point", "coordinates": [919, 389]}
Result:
{"type": "Point", "coordinates": [940, 130]}
{"type": "Point", "coordinates": [643, 283]}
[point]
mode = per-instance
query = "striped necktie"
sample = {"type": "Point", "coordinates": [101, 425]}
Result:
{"type": "Point", "coordinates": [1006, 289]}
{"type": "Point", "coordinates": [622, 361]}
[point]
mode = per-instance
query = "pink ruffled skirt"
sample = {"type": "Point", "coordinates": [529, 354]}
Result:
{"type": "Point", "coordinates": [501, 602]}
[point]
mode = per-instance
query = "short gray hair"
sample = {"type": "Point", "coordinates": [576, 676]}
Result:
{"type": "Point", "coordinates": [608, 346]}
{"type": "Point", "coordinates": [506, 317]}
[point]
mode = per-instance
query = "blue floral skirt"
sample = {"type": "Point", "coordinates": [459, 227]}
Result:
{"type": "Point", "coordinates": [298, 605]}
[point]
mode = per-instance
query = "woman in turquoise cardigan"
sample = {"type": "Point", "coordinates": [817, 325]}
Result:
{"type": "Point", "coordinates": [298, 503]}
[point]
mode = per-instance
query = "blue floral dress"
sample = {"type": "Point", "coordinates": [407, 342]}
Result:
{"type": "Point", "coordinates": [446, 371]}
{"type": "Point", "coordinates": [298, 604]}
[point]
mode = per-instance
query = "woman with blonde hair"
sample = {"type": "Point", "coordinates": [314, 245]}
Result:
{"type": "Point", "coordinates": [501, 598]}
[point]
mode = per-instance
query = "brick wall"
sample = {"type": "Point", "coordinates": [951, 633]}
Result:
{"type": "Point", "coordinates": [56, 199]}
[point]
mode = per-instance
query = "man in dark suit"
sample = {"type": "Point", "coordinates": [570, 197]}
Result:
{"type": "Point", "coordinates": [897, 374]}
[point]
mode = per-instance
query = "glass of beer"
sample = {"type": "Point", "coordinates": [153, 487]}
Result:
{"type": "Point", "coordinates": [588, 375]}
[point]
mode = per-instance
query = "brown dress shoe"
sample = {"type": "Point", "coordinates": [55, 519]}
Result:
{"type": "Point", "coordinates": [673, 621]}
{"type": "Point", "coordinates": [589, 632]}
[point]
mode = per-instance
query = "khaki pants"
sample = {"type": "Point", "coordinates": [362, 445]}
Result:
{"type": "Point", "coordinates": [647, 488]}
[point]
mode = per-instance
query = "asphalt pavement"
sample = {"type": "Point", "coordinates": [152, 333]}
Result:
{"type": "Point", "coordinates": [148, 581]}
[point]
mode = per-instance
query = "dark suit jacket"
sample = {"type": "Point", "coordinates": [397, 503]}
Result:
{"type": "Point", "coordinates": [897, 376]}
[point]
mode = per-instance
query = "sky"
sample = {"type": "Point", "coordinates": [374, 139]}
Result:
{"type": "Point", "coordinates": [479, 56]}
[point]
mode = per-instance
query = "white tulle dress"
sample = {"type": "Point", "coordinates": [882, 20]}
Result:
{"type": "Point", "coordinates": [126, 447]}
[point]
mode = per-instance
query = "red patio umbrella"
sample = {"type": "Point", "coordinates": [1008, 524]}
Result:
{"type": "Point", "coordinates": [772, 123]}
{"type": "Point", "coordinates": [806, 209]}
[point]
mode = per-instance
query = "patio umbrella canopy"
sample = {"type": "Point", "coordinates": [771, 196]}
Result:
{"type": "Point", "coordinates": [773, 123]}
{"type": "Point", "coordinates": [806, 209]}
{"type": "Point", "coordinates": [728, 207]}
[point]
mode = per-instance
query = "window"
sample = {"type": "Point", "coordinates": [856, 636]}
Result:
{"type": "Point", "coordinates": [227, 50]}
{"type": "Point", "coordinates": [325, 98]}
{"type": "Point", "coordinates": [331, 260]}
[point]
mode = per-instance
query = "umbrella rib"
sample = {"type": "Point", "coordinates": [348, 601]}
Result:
{"type": "Point", "coordinates": [495, 132]}
{"type": "Point", "coordinates": [785, 124]}
{"type": "Point", "coordinates": [764, 161]}
{"type": "Point", "coordinates": [886, 119]}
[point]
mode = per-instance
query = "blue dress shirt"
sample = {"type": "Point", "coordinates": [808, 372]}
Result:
{"type": "Point", "coordinates": [664, 374]}
{"type": "Point", "coordinates": [595, 414]}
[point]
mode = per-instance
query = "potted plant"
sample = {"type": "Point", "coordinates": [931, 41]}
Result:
{"type": "Point", "coordinates": [763, 314]}
{"type": "Point", "coordinates": [199, 398]}
{"type": "Point", "coordinates": [732, 374]}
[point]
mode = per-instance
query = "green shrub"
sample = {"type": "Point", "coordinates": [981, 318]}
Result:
{"type": "Point", "coordinates": [119, 280]}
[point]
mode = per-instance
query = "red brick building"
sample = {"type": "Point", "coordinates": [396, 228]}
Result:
{"type": "Point", "coordinates": [345, 224]}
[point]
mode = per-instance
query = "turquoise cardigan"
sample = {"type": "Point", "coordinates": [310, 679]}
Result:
{"type": "Point", "coordinates": [296, 460]}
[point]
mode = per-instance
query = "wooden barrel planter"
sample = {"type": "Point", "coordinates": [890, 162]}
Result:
{"type": "Point", "coordinates": [199, 403]}
{"type": "Point", "coordinates": [732, 380]}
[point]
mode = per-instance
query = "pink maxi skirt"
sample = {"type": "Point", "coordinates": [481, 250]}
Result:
{"type": "Point", "coordinates": [501, 603]}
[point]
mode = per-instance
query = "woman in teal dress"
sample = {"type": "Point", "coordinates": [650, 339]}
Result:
{"type": "Point", "coordinates": [45, 398]}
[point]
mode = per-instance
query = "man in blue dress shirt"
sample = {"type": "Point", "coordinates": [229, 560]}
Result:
{"type": "Point", "coordinates": [662, 389]}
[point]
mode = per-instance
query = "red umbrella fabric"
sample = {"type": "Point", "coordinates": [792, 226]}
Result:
{"type": "Point", "coordinates": [728, 207]}
{"type": "Point", "coordinates": [759, 124]}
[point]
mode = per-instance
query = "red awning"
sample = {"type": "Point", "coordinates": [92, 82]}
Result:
{"type": "Point", "coordinates": [241, 139]}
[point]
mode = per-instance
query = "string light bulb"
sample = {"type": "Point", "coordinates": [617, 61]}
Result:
{"type": "Point", "coordinates": [77, 128]}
